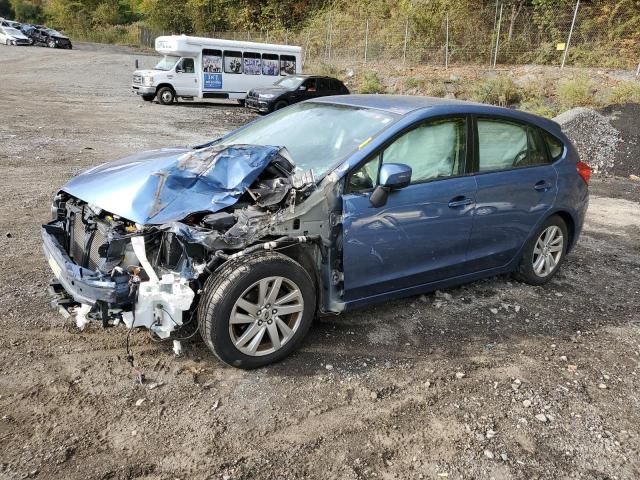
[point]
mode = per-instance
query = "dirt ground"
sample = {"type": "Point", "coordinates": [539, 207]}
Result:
{"type": "Point", "coordinates": [490, 380]}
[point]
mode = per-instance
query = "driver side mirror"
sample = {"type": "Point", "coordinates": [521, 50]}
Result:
{"type": "Point", "coordinates": [393, 176]}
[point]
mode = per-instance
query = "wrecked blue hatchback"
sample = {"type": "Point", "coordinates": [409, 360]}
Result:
{"type": "Point", "coordinates": [319, 207]}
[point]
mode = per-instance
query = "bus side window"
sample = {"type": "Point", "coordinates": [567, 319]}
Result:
{"type": "Point", "coordinates": [287, 65]}
{"type": "Point", "coordinates": [232, 62]}
{"type": "Point", "coordinates": [270, 64]}
{"type": "Point", "coordinates": [251, 63]}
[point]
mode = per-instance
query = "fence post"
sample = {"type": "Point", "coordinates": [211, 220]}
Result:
{"type": "Point", "coordinates": [495, 57]}
{"type": "Point", "coordinates": [446, 47]}
{"type": "Point", "coordinates": [366, 40]}
{"type": "Point", "coordinates": [406, 34]}
{"type": "Point", "coordinates": [493, 32]}
{"type": "Point", "coordinates": [638, 70]}
{"type": "Point", "coordinates": [566, 47]}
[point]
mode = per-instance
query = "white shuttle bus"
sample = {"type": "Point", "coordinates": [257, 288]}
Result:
{"type": "Point", "coordinates": [195, 67]}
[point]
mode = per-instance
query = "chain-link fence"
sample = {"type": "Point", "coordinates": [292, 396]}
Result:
{"type": "Point", "coordinates": [496, 35]}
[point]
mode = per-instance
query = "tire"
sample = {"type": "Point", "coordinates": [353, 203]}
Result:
{"type": "Point", "coordinates": [148, 98]}
{"type": "Point", "coordinates": [544, 253]}
{"type": "Point", "coordinates": [248, 343]}
{"type": "Point", "coordinates": [51, 44]}
{"type": "Point", "coordinates": [166, 96]}
{"type": "Point", "coordinates": [241, 102]}
{"type": "Point", "coordinates": [280, 104]}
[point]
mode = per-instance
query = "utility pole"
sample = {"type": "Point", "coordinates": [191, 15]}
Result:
{"type": "Point", "coordinates": [366, 39]}
{"type": "Point", "coordinates": [495, 57]}
{"type": "Point", "coordinates": [446, 47]}
{"type": "Point", "coordinates": [566, 47]}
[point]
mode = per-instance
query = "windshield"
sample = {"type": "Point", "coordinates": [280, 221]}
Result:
{"type": "Point", "coordinates": [53, 32]}
{"type": "Point", "coordinates": [316, 135]}
{"type": "Point", "coordinates": [290, 83]}
{"type": "Point", "coordinates": [166, 63]}
{"type": "Point", "coordinates": [12, 31]}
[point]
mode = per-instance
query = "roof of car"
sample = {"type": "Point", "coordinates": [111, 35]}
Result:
{"type": "Point", "coordinates": [405, 104]}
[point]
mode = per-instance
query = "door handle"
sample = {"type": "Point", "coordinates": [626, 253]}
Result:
{"type": "Point", "coordinates": [460, 201]}
{"type": "Point", "coordinates": [542, 186]}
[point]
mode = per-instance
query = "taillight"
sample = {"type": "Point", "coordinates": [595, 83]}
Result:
{"type": "Point", "coordinates": [584, 171]}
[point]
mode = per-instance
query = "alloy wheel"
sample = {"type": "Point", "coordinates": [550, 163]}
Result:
{"type": "Point", "coordinates": [266, 316]}
{"type": "Point", "coordinates": [547, 251]}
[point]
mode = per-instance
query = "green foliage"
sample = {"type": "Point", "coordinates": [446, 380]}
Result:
{"type": "Point", "coordinates": [370, 83]}
{"type": "Point", "coordinates": [6, 10]}
{"type": "Point", "coordinates": [625, 92]}
{"type": "Point", "coordinates": [27, 11]}
{"type": "Point", "coordinates": [578, 92]}
{"type": "Point", "coordinates": [500, 90]}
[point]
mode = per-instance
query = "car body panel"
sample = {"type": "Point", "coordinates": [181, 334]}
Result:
{"type": "Point", "coordinates": [161, 186]}
{"type": "Point", "coordinates": [415, 238]}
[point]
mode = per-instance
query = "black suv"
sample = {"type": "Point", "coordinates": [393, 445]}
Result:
{"type": "Point", "coordinates": [46, 37]}
{"type": "Point", "coordinates": [293, 89]}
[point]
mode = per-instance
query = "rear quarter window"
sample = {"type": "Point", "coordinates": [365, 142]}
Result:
{"type": "Point", "coordinates": [555, 146]}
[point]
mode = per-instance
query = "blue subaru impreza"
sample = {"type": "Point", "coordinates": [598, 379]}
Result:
{"type": "Point", "coordinates": [320, 207]}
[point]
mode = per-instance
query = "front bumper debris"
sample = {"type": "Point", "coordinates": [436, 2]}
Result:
{"type": "Point", "coordinates": [84, 285]}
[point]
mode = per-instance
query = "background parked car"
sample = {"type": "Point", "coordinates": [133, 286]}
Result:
{"type": "Point", "coordinates": [293, 89]}
{"type": "Point", "coordinates": [47, 37]}
{"type": "Point", "coordinates": [13, 36]}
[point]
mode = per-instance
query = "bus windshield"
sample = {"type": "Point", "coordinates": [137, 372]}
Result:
{"type": "Point", "coordinates": [166, 63]}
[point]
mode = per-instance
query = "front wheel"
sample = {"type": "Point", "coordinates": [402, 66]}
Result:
{"type": "Point", "coordinates": [280, 104]}
{"type": "Point", "coordinates": [256, 310]}
{"type": "Point", "coordinates": [51, 44]}
{"type": "Point", "coordinates": [166, 96]}
{"type": "Point", "coordinates": [544, 253]}
{"type": "Point", "coordinates": [148, 98]}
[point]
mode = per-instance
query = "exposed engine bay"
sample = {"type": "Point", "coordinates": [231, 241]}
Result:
{"type": "Point", "coordinates": [114, 269]}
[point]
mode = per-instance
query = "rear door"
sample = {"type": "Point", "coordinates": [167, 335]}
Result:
{"type": "Point", "coordinates": [517, 186]}
{"type": "Point", "coordinates": [422, 233]}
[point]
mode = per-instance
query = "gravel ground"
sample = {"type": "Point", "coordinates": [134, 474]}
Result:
{"type": "Point", "coordinates": [494, 379]}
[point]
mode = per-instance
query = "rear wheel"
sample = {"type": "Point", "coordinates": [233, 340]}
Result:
{"type": "Point", "coordinates": [241, 102]}
{"type": "Point", "coordinates": [166, 96]}
{"type": "Point", "coordinates": [256, 310]}
{"type": "Point", "coordinates": [544, 253]}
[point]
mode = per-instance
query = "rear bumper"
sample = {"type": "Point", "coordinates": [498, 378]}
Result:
{"type": "Point", "coordinates": [256, 105]}
{"type": "Point", "coordinates": [84, 285]}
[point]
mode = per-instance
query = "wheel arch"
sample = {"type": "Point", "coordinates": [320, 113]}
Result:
{"type": "Point", "coordinates": [308, 256]}
{"type": "Point", "coordinates": [165, 85]}
{"type": "Point", "coordinates": [569, 221]}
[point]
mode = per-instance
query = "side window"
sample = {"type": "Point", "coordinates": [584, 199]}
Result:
{"type": "Point", "coordinates": [270, 64]}
{"type": "Point", "coordinates": [504, 145]}
{"type": "Point", "coordinates": [311, 85]}
{"type": "Point", "coordinates": [365, 177]}
{"type": "Point", "coordinates": [186, 65]}
{"type": "Point", "coordinates": [555, 146]}
{"type": "Point", "coordinates": [232, 62]}
{"type": "Point", "coordinates": [433, 150]}
{"type": "Point", "coordinates": [324, 85]}
{"type": "Point", "coordinates": [287, 65]}
{"type": "Point", "coordinates": [252, 63]}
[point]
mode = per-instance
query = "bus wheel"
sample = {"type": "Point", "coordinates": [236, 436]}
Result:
{"type": "Point", "coordinates": [166, 96]}
{"type": "Point", "coordinates": [280, 104]}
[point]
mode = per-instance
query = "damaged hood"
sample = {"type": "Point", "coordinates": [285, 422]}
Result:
{"type": "Point", "coordinates": [161, 186]}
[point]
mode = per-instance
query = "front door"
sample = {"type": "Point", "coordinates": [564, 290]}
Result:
{"type": "Point", "coordinates": [421, 234]}
{"type": "Point", "coordinates": [185, 80]}
{"type": "Point", "coordinates": [517, 186]}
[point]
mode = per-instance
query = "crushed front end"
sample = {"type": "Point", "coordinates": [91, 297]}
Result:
{"type": "Point", "coordinates": [117, 269]}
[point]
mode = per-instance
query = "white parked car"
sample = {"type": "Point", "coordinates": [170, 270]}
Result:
{"type": "Point", "coordinates": [13, 36]}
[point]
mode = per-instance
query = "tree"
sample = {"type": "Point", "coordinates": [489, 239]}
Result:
{"type": "Point", "coordinates": [6, 10]}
